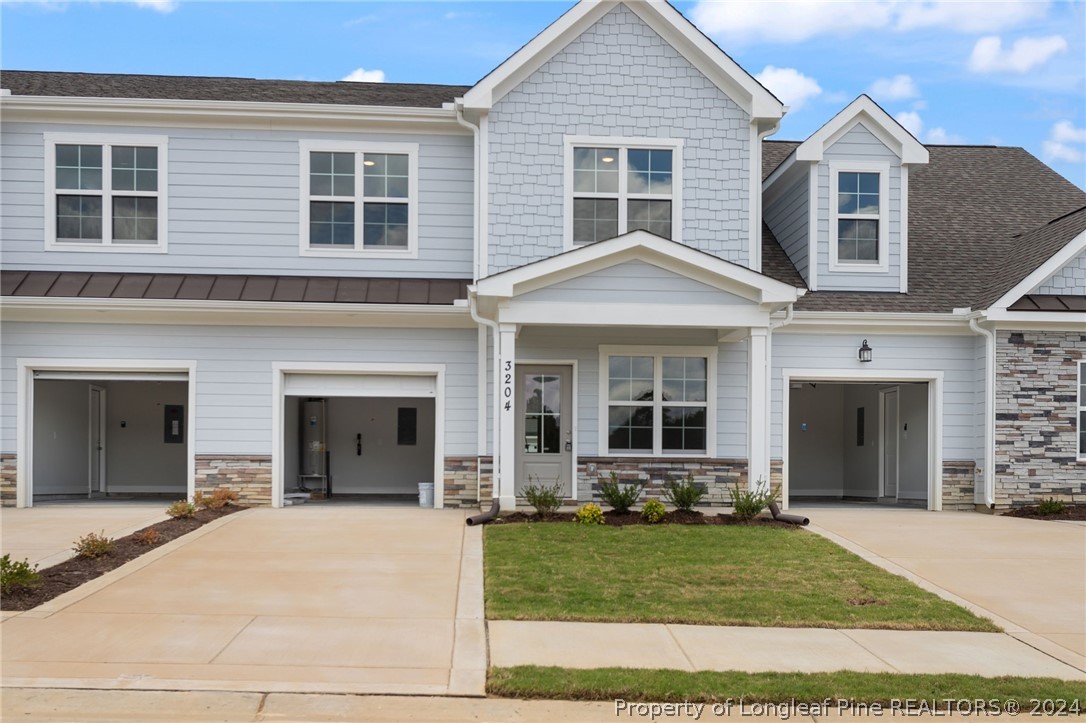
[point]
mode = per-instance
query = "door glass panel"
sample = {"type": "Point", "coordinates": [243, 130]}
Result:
{"type": "Point", "coordinates": [542, 413]}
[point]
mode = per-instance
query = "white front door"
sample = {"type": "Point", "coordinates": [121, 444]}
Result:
{"type": "Point", "coordinates": [97, 441]}
{"type": "Point", "coordinates": [890, 437]}
{"type": "Point", "coordinates": [544, 451]}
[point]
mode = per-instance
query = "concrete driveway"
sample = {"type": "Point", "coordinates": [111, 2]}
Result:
{"type": "Point", "coordinates": [317, 598]}
{"type": "Point", "coordinates": [1029, 575]}
{"type": "Point", "coordinates": [44, 533]}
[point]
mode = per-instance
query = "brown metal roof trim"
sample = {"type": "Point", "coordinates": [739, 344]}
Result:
{"type": "Point", "coordinates": [1050, 302]}
{"type": "Point", "coordinates": [206, 287]}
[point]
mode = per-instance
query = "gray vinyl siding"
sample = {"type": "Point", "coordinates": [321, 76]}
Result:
{"type": "Point", "coordinates": [859, 144]}
{"type": "Point", "coordinates": [618, 79]}
{"type": "Point", "coordinates": [955, 356]}
{"type": "Point", "coordinates": [234, 373]}
{"type": "Point", "coordinates": [1070, 280]}
{"type": "Point", "coordinates": [233, 203]}
{"type": "Point", "coordinates": [634, 281]}
{"type": "Point", "coordinates": [788, 215]}
{"type": "Point", "coordinates": [582, 345]}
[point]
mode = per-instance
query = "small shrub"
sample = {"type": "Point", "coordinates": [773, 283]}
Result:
{"type": "Point", "coordinates": [653, 511]}
{"type": "Point", "coordinates": [589, 514]}
{"type": "Point", "coordinates": [620, 495]}
{"type": "Point", "coordinates": [749, 503]}
{"type": "Point", "coordinates": [17, 575]}
{"type": "Point", "coordinates": [685, 494]}
{"type": "Point", "coordinates": [545, 500]}
{"type": "Point", "coordinates": [1051, 506]}
{"type": "Point", "coordinates": [201, 501]}
{"type": "Point", "coordinates": [221, 497]}
{"type": "Point", "coordinates": [149, 537]}
{"type": "Point", "coordinates": [181, 509]}
{"type": "Point", "coordinates": [93, 545]}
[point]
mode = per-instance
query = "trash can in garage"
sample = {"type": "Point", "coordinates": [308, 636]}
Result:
{"type": "Point", "coordinates": [426, 494]}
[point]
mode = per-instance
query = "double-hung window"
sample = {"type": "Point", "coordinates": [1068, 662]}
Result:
{"type": "Point", "coordinates": [618, 185]}
{"type": "Point", "coordinates": [105, 192]}
{"type": "Point", "coordinates": [358, 199]}
{"type": "Point", "coordinates": [657, 401]}
{"type": "Point", "coordinates": [859, 225]}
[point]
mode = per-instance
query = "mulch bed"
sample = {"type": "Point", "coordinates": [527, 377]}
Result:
{"type": "Point", "coordinates": [675, 517]}
{"type": "Point", "coordinates": [59, 579]}
{"type": "Point", "coordinates": [1070, 512]}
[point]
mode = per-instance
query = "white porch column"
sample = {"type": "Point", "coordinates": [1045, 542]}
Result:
{"type": "Point", "coordinates": [507, 438]}
{"type": "Point", "coordinates": [758, 407]}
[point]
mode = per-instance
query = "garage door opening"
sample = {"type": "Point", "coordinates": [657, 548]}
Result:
{"type": "Point", "coordinates": [357, 449]}
{"type": "Point", "coordinates": [859, 442]}
{"type": "Point", "coordinates": [103, 436]}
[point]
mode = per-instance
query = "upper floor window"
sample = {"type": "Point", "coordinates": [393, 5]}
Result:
{"type": "Point", "coordinates": [858, 227]}
{"type": "Point", "coordinates": [656, 401]}
{"type": "Point", "coordinates": [105, 192]}
{"type": "Point", "coordinates": [618, 185]}
{"type": "Point", "coordinates": [358, 199]}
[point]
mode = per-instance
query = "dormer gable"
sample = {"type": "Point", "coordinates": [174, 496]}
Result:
{"type": "Point", "coordinates": [867, 113]}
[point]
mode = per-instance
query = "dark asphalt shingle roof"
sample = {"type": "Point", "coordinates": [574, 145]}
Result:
{"type": "Point", "coordinates": [179, 87]}
{"type": "Point", "coordinates": [981, 219]}
{"type": "Point", "coordinates": [206, 287]}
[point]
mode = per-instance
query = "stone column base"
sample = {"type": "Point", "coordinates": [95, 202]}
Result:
{"type": "Point", "coordinates": [959, 481]}
{"type": "Point", "coordinates": [7, 480]}
{"type": "Point", "coordinates": [248, 475]}
{"type": "Point", "coordinates": [469, 481]}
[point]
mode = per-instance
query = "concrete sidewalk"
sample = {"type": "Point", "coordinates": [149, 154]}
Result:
{"type": "Point", "coordinates": [801, 650]}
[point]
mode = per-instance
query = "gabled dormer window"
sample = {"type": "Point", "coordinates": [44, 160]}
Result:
{"type": "Point", "coordinates": [618, 185]}
{"type": "Point", "coordinates": [859, 228]}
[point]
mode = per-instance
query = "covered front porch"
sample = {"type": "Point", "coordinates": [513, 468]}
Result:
{"type": "Point", "coordinates": [638, 356]}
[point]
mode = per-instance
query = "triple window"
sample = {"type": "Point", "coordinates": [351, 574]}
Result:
{"type": "Point", "coordinates": [658, 402]}
{"type": "Point", "coordinates": [617, 185]}
{"type": "Point", "coordinates": [358, 199]}
{"type": "Point", "coordinates": [105, 192]}
{"type": "Point", "coordinates": [859, 223]}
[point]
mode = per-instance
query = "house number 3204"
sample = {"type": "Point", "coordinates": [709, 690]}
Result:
{"type": "Point", "coordinates": [507, 385]}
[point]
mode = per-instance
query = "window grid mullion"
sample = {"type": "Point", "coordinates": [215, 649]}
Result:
{"type": "Point", "coordinates": [658, 404]}
{"type": "Point", "coordinates": [359, 199]}
{"type": "Point", "coordinates": [107, 194]}
{"type": "Point", "coordinates": [623, 212]}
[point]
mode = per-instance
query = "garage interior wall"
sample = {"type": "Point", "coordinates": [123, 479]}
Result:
{"type": "Point", "coordinates": [384, 467]}
{"type": "Point", "coordinates": [138, 460]}
{"type": "Point", "coordinates": [825, 459]}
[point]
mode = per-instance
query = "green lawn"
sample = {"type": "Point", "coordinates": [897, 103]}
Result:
{"type": "Point", "coordinates": [710, 575]}
{"type": "Point", "coordinates": [678, 686]}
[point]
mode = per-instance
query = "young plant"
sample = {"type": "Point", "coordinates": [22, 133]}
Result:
{"type": "Point", "coordinates": [545, 500]}
{"type": "Point", "coordinates": [149, 537]}
{"type": "Point", "coordinates": [749, 503]}
{"type": "Point", "coordinates": [181, 509]}
{"type": "Point", "coordinates": [1051, 506]}
{"type": "Point", "coordinates": [221, 497]}
{"type": "Point", "coordinates": [653, 511]}
{"type": "Point", "coordinates": [17, 575]}
{"type": "Point", "coordinates": [589, 514]}
{"type": "Point", "coordinates": [620, 495]}
{"type": "Point", "coordinates": [93, 545]}
{"type": "Point", "coordinates": [684, 495]}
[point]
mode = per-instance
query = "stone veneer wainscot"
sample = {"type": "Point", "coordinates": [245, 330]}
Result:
{"type": "Point", "coordinates": [248, 475]}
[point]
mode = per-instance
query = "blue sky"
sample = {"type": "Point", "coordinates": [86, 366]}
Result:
{"type": "Point", "coordinates": [1009, 72]}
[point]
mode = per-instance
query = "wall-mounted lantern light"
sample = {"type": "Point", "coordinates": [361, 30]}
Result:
{"type": "Point", "coordinates": [865, 352]}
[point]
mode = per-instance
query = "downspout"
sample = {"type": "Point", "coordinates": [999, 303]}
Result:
{"type": "Point", "coordinates": [493, 325]}
{"type": "Point", "coordinates": [475, 220]}
{"type": "Point", "coordinates": [773, 325]}
{"type": "Point", "coordinates": [989, 408]}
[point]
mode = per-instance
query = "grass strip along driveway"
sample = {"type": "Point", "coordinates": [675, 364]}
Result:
{"type": "Point", "coordinates": [701, 575]}
{"type": "Point", "coordinates": [678, 686]}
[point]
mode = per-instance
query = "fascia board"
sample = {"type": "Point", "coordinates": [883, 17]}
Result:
{"type": "Point", "coordinates": [883, 126]}
{"type": "Point", "coordinates": [1039, 275]}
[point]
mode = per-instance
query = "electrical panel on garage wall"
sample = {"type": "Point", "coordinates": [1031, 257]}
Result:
{"type": "Point", "coordinates": [407, 431]}
{"type": "Point", "coordinates": [174, 432]}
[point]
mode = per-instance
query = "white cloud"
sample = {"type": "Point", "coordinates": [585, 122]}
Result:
{"type": "Point", "coordinates": [969, 17]}
{"type": "Point", "coordinates": [899, 87]}
{"type": "Point", "coordinates": [361, 75]}
{"type": "Point", "coordinates": [795, 20]}
{"type": "Point", "coordinates": [1062, 139]}
{"type": "Point", "coordinates": [162, 6]}
{"type": "Point", "coordinates": [940, 136]}
{"type": "Point", "coordinates": [989, 56]}
{"type": "Point", "coordinates": [791, 86]}
{"type": "Point", "coordinates": [911, 120]}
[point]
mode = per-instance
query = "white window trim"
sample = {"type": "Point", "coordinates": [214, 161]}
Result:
{"type": "Point", "coordinates": [883, 169]}
{"type": "Point", "coordinates": [411, 150]}
{"type": "Point", "coordinates": [105, 140]}
{"type": "Point", "coordinates": [675, 145]}
{"type": "Point", "coordinates": [1081, 456]}
{"type": "Point", "coordinates": [711, 402]}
